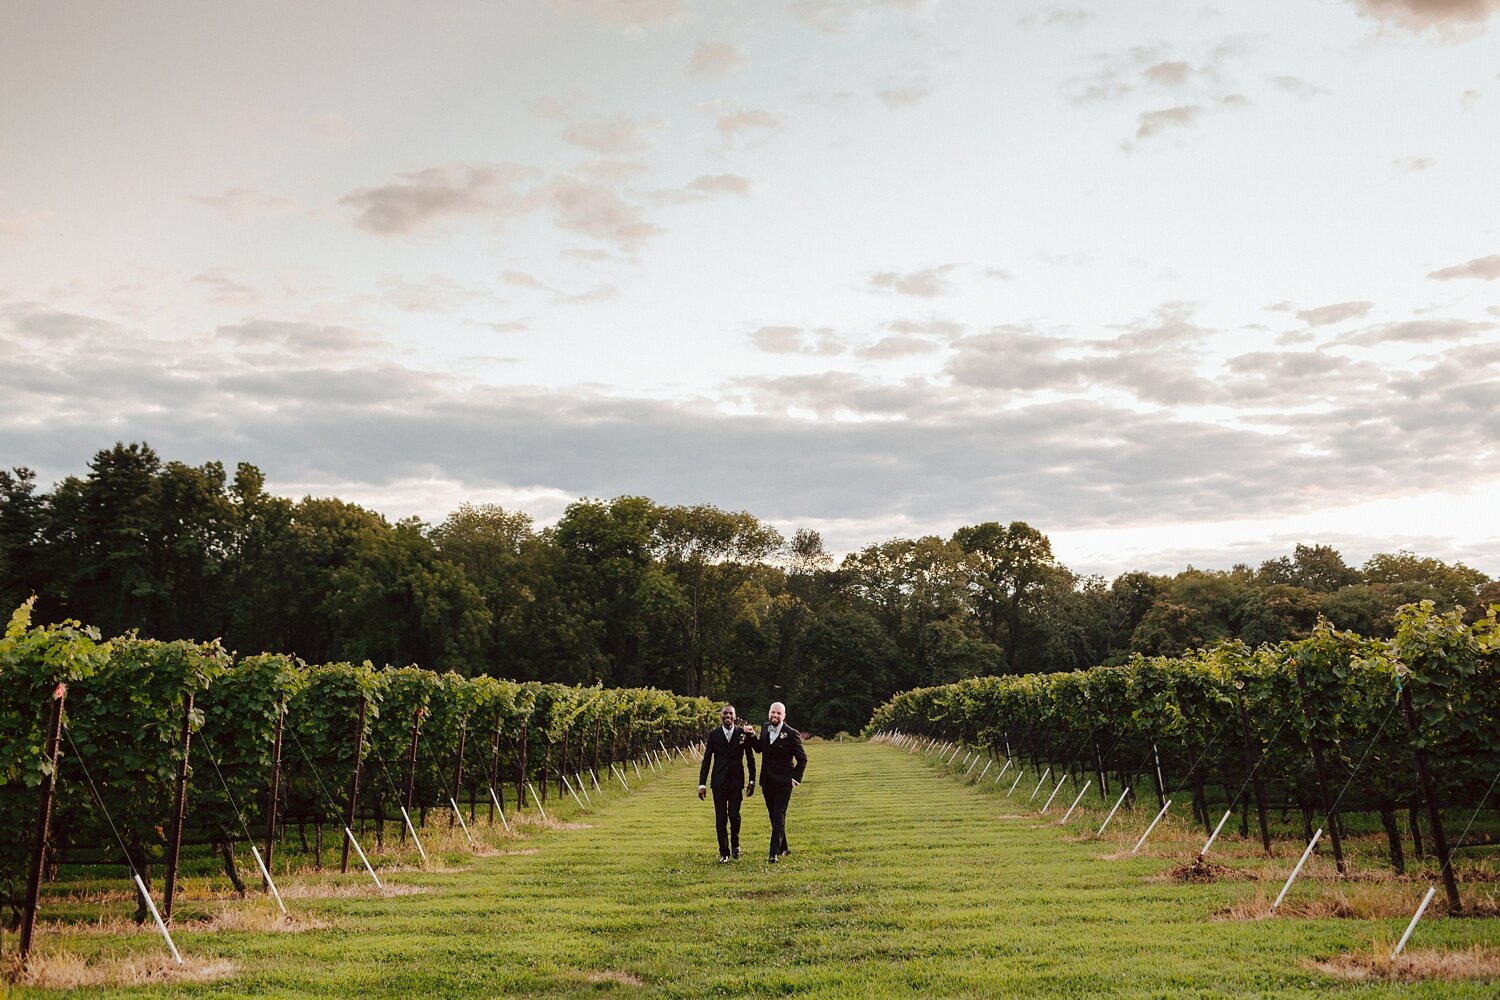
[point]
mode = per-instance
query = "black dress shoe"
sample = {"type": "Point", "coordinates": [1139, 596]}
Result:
{"type": "Point", "coordinates": [723, 859]}
{"type": "Point", "coordinates": [736, 853]}
{"type": "Point", "coordinates": [773, 859]}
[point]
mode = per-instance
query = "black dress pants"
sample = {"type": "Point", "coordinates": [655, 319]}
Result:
{"type": "Point", "coordinates": [727, 817]}
{"type": "Point", "coordinates": [777, 797]}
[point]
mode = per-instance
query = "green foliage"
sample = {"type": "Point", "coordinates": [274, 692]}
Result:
{"type": "Point", "coordinates": [1333, 686]}
{"type": "Point", "coordinates": [34, 661]}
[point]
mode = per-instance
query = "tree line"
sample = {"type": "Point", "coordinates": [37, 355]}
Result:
{"type": "Point", "coordinates": [630, 593]}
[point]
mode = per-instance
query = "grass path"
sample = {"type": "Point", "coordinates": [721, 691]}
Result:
{"type": "Point", "coordinates": [903, 882]}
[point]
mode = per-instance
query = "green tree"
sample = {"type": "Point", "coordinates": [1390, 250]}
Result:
{"type": "Point", "coordinates": [1009, 569]}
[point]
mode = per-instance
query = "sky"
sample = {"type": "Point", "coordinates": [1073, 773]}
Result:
{"type": "Point", "coordinates": [1173, 282]}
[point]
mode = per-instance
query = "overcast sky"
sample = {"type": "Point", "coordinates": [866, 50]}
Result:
{"type": "Point", "coordinates": [1171, 281]}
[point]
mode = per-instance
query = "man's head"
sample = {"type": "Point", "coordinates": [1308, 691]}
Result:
{"type": "Point", "coordinates": [776, 713]}
{"type": "Point", "coordinates": [726, 716]}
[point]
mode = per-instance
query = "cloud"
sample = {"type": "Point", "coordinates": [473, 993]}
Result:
{"type": "Point", "coordinates": [507, 326]}
{"type": "Point", "coordinates": [796, 340]}
{"type": "Point", "coordinates": [313, 403]}
{"type": "Point", "coordinates": [1413, 164]}
{"type": "Point", "coordinates": [419, 199]}
{"type": "Point", "coordinates": [945, 329]}
{"type": "Point", "coordinates": [521, 279]}
{"type": "Point", "coordinates": [906, 93]}
{"type": "Point", "coordinates": [1482, 268]}
{"type": "Point", "coordinates": [298, 338]}
{"type": "Point", "coordinates": [433, 293]}
{"type": "Point", "coordinates": [1154, 123]}
{"type": "Point", "coordinates": [1071, 17]}
{"type": "Point", "coordinates": [612, 134]}
{"type": "Point", "coordinates": [897, 347]}
{"type": "Point", "coordinates": [1297, 87]}
{"type": "Point", "coordinates": [1420, 15]}
{"type": "Point", "coordinates": [748, 124]}
{"type": "Point", "coordinates": [1172, 73]}
{"type": "Point", "coordinates": [242, 204]}
{"type": "Point", "coordinates": [1418, 331]}
{"type": "Point", "coordinates": [926, 283]}
{"type": "Point", "coordinates": [1155, 360]}
{"type": "Point", "coordinates": [722, 184]}
{"type": "Point", "coordinates": [599, 293]}
{"type": "Point", "coordinates": [1336, 313]}
{"type": "Point", "coordinates": [223, 289]}
{"type": "Point", "coordinates": [712, 60]}
{"type": "Point", "coordinates": [595, 211]}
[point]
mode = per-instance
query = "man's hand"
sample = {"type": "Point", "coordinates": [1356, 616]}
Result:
{"type": "Point", "coordinates": [750, 790]}
{"type": "Point", "coordinates": [795, 782]}
{"type": "Point", "coordinates": [702, 791]}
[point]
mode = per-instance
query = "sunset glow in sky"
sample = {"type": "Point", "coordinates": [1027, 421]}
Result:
{"type": "Point", "coordinates": [1172, 281]}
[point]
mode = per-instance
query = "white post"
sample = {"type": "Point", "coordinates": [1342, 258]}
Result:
{"type": "Point", "coordinates": [1086, 785]}
{"type": "Point", "coordinates": [972, 766]}
{"type": "Point", "coordinates": [966, 758]}
{"type": "Point", "coordinates": [593, 775]}
{"type": "Point", "coordinates": [569, 784]}
{"type": "Point", "coordinates": [1038, 787]}
{"type": "Point", "coordinates": [1013, 784]}
{"type": "Point", "coordinates": [1054, 793]}
{"type": "Point", "coordinates": [361, 852]}
{"type": "Point", "coordinates": [267, 876]}
{"type": "Point", "coordinates": [1431, 891]}
{"type": "Point", "coordinates": [1112, 812]}
{"type": "Point", "coordinates": [633, 763]}
{"type": "Point", "coordinates": [1003, 770]}
{"type": "Point", "coordinates": [1155, 821]}
{"type": "Point", "coordinates": [159, 925]}
{"type": "Point", "coordinates": [1214, 836]}
{"type": "Point", "coordinates": [460, 814]}
{"type": "Point", "coordinates": [985, 771]}
{"type": "Point", "coordinates": [537, 799]}
{"type": "Point", "coordinates": [496, 799]}
{"type": "Point", "coordinates": [621, 776]}
{"type": "Point", "coordinates": [585, 790]}
{"type": "Point", "coordinates": [413, 830]}
{"type": "Point", "coordinates": [1295, 871]}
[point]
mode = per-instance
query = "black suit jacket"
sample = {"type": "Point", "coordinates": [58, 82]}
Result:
{"type": "Point", "coordinates": [729, 759]}
{"type": "Point", "coordinates": [781, 762]}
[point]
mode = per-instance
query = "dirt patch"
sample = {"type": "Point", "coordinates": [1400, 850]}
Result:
{"type": "Point", "coordinates": [1207, 871]}
{"type": "Point", "coordinates": [67, 972]}
{"type": "Point", "coordinates": [523, 850]}
{"type": "Point", "coordinates": [1477, 963]}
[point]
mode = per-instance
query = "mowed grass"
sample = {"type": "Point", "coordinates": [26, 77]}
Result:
{"type": "Point", "coordinates": [903, 882]}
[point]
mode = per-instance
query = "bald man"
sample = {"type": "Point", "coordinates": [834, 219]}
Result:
{"type": "Point", "coordinates": [782, 762]}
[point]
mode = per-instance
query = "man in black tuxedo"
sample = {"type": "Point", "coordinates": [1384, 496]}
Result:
{"type": "Point", "coordinates": [731, 751]}
{"type": "Point", "coordinates": [782, 761]}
